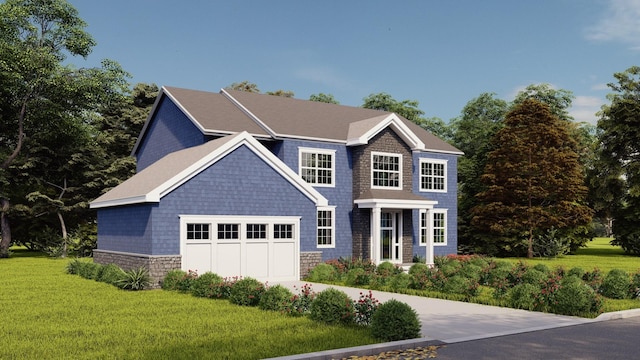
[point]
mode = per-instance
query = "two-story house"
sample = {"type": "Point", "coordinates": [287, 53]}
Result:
{"type": "Point", "coordinates": [245, 184]}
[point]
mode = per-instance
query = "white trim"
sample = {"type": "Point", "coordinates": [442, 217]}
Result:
{"type": "Point", "coordinates": [432, 228]}
{"type": "Point", "coordinates": [309, 150]}
{"type": "Point", "coordinates": [399, 156]}
{"type": "Point", "coordinates": [249, 113]}
{"type": "Point", "coordinates": [433, 161]}
{"type": "Point", "coordinates": [333, 227]}
{"type": "Point", "coordinates": [396, 124]}
{"type": "Point", "coordinates": [205, 162]}
{"type": "Point", "coordinates": [394, 203]}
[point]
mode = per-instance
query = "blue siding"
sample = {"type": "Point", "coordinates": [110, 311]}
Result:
{"type": "Point", "coordinates": [448, 200]}
{"type": "Point", "coordinates": [239, 184]}
{"type": "Point", "coordinates": [126, 228]}
{"type": "Point", "coordinates": [170, 130]}
{"type": "Point", "coordinates": [339, 196]}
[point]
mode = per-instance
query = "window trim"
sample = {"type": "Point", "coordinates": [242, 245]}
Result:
{"type": "Point", "coordinates": [317, 151]}
{"type": "Point", "coordinates": [379, 153]}
{"type": "Point", "coordinates": [332, 209]}
{"type": "Point", "coordinates": [421, 176]}
{"type": "Point", "coordinates": [431, 228]}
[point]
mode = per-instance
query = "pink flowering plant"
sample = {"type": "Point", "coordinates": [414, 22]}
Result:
{"type": "Point", "coordinates": [301, 302]}
{"type": "Point", "coordinates": [364, 308]}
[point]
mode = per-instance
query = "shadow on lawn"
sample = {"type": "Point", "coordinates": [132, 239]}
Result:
{"type": "Point", "coordinates": [23, 252]}
{"type": "Point", "coordinates": [605, 250]}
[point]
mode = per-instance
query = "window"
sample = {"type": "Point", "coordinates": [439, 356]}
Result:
{"type": "Point", "coordinates": [439, 227]}
{"type": "Point", "coordinates": [256, 231]}
{"type": "Point", "coordinates": [197, 231]}
{"type": "Point", "coordinates": [325, 228]}
{"type": "Point", "coordinates": [227, 231]}
{"type": "Point", "coordinates": [438, 220]}
{"type": "Point", "coordinates": [283, 231]}
{"type": "Point", "coordinates": [386, 170]}
{"type": "Point", "coordinates": [433, 175]}
{"type": "Point", "coordinates": [317, 166]}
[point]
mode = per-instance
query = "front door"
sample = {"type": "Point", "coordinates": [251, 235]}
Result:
{"type": "Point", "coordinates": [391, 236]}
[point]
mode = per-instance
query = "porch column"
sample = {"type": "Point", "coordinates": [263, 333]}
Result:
{"type": "Point", "coordinates": [375, 234]}
{"type": "Point", "coordinates": [429, 245]}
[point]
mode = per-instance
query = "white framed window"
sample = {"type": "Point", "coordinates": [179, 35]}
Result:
{"type": "Point", "coordinates": [256, 231]}
{"type": "Point", "coordinates": [433, 175]}
{"type": "Point", "coordinates": [317, 166]}
{"type": "Point", "coordinates": [198, 231]}
{"type": "Point", "coordinates": [437, 218]}
{"type": "Point", "coordinates": [326, 228]}
{"type": "Point", "coordinates": [228, 231]}
{"type": "Point", "coordinates": [283, 231]}
{"type": "Point", "coordinates": [386, 171]}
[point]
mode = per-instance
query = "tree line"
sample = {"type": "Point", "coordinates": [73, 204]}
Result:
{"type": "Point", "coordinates": [532, 181]}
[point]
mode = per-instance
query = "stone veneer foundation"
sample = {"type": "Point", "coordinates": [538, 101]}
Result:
{"type": "Point", "coordinates": [159, 265]}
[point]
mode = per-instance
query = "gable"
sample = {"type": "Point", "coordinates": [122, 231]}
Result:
{"type": "Point", "coordinates": [361, 132]}
{"type": "Point", "coordinates": [173, 170]}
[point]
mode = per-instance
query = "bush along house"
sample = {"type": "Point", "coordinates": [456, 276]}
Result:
{"type": "Point", "coordinates": [246, 184]}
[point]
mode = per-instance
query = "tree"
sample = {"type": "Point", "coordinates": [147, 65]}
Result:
{"type": "Point", "coordinates": [619, 157]}
{"type": "Point", "coordinates": [245, 86]}
{"type": "Point", "coordinates": [283, 93]}
{"type": "Point", "coordinates": [325, 98]}
{"type": "Point", "coordinates": [385, 102]}
{"type": "Point", "coordinates": [533, 180]}
{"type": "Point", "coordinates": [559, 101]}
{"type": "Point", "coordinates": [43, 101]}
{"type": "Point", "coordinates": [481, 118]}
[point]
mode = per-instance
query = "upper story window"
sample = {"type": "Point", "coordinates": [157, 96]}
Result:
{"type": "Point", "coordinates": [386, 170]}
{"type": "Point", "coordinates": [433, 175]}
{"type": "Point", "coordinates": [317, 166]}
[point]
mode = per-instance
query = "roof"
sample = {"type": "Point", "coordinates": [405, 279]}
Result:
{"type": "Point", "coordinates": [269, 116]}
{"type": "Point", "coordinates": [393, 199]}
{"type": "Point", "coordinates": [171, 171]}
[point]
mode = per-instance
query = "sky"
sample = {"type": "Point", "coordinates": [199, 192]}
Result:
{"type": "Point", "coordinates": [440, 53]}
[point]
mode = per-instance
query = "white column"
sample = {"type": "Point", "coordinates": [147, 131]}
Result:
{"type": "Point", "coordinates": [375, 234]}
{"type": "Point", "coordinates": [429, 245]}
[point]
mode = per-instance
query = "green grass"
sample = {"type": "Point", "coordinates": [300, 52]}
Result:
{"type": "Point", "coordinates": [47, 314]}
{"type": "Point", "coordinates": [599, 253]}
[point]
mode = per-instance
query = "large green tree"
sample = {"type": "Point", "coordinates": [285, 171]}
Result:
{"type": "Point", "coordinates": [533, 181]}
{"type": "Point", "coordinates": [44, 102]}
{"type": "Point", "coordinates": [619, 159]}
{"type": "Point", "coordinates": [480, 119]}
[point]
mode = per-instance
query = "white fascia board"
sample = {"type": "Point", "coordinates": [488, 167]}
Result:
{"type": "Point", "coordinates": [184, 110]}
{"type": "Point", "coordinates": [395, 203]}
{"type": "Point", "coordinates": [248, 112]}
{"type": "Point", "coordinates": [243, 138]}
{"type": "Point", "coordinates": [120, 202]}
{"type": "Point", "coordinates": [397, 125]}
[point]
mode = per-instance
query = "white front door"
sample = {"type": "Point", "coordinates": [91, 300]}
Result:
{"type": "Point", "coordinates": [391, 236]}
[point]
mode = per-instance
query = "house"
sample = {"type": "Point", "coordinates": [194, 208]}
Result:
{"type": "Point", "coordinates": [245, 184]}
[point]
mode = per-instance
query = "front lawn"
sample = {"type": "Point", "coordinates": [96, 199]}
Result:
{"type": "Point", "coordinates": [47, 314]}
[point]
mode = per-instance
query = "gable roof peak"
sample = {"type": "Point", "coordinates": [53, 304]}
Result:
{"type": "Point", "coordinates": [361, 132]}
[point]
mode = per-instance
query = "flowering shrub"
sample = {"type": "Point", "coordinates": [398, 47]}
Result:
{"type": "Point", "coordinates": [275, 298]}
{"type": "Point", "coordinates": [204, 285]}
{"type": "Point", "coordinates": [616, 284]}
{"type": "Point", "coordinates": [300, 303]}
{"type": "Point", "coordinates": [364, 308]}
{"type": "Point", "coordinates": [246, 292]}
{"type": "Point", "coordinates": [332, 306]}
{"type": "Point", "coordinates": [179, 280]}
{"type": "Point", "coordinates": [222, 290]}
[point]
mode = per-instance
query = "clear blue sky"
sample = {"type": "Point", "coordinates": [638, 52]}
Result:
{"type": "Point", "coordinates": [440, 53]}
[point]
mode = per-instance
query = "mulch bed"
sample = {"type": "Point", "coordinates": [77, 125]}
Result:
{"type": "Point", "coordinates": [419, 353]}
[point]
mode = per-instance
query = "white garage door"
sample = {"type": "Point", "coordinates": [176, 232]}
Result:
{"type": "Point", "coordinates": [262, 247]}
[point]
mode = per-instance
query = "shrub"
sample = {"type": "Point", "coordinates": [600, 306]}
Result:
{"type": "Point", "coordinates": [395, 320]}
{"type": "Point", "coordinates": [523, 296]}
{"type": "Point", "coordinates": [364, 308]}
{"type": "Point", "coordinates": [461, 285]}
{"type": "Point", "coordinates": [635, 286]}
{"type": "Point", "coordinates": [246, 292]}
{"type": "Point", "coordinates": [418, 268]}
{"type": "Point", "coordinates": [332, 306]}
{"type": "Point", "coordinates": [275, 298]}
{"type": "Point", "coordinates": [322, 273]}
{"type": "Point", "coordinates": [548, 290]}
{"type": "Point", "coordinates": [399, 281]}
{"type": "Point", "coordinates": [172, 279]}
{"type": "Point", "coordinates": [616, 284]}
{"type": "Point", "coordinates": [542, 268]}
{"type": "Point", "coordinates": [420, 275]}
{"type": "Point", "coordinates": [576, 271]}
{"type": "Point", "coordinates": [301, 302]}
{"type": "Point", "coordinates": [593, 279]}
{"type": "Point", "coordinates": [496, 273]}
{"type": "Point", "coordinates": [357, 276]}
{"type": "Point", "coordinates": [387, 269]}
{"type": "Point", "coordinates": [88, 270]}
{"type": "Point", "coordinates": [574, 297]}
{"type": "Point", "coordinates": [134, 279]}
{"type": "Point", "coordinates": [73, 267]}
{"type": "Point", "coordinates": [533, 277]}
{"type": "Point", "coordinates": [222, 290]}
{"type": "Point", "coordinates": [516, 273]}
{"type": "Point", "coordinates": [204, 285]}
{"type": "Point", "coordinates": [470, 271]}
{"type": "Point", "coordinates": [110, 274]}
{"type": "Point", "coordinates": [551, 244]}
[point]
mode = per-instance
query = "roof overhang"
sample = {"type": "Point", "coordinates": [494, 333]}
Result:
{"type": "Point", "coordinates": [371, 203]}
{"type": "Point", "coordinates": [361, 132]}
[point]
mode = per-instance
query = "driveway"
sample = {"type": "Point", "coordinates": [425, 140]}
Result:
{"type": "Point", "coordinates": [454, 322]}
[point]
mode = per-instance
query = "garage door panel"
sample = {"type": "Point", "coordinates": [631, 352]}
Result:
{"type": "Point", "coordinates": [228, 259]}
{"type": "Point", "coordinates": [199, 257]}
{"type": "Point", "coordinates": [257, 260]}
{"type": "Point", "coordinates": [284, 257]}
